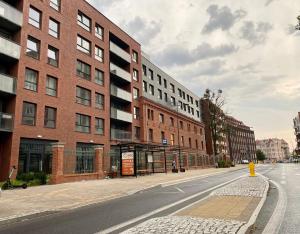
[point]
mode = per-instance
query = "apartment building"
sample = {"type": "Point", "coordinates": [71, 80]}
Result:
{"type": "Point", "coordinates": [275, 149]}
{"type": "Point", "coordinates": [68, 75]}
{"type": "Point", "coordinates": [241, 140]}
{"type": "Point", "coordinates": [296, 122]}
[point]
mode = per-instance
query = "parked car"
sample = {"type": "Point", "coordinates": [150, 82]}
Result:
{"type": "Point", "coordinates": [245, 161]}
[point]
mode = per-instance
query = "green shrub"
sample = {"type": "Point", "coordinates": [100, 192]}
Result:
{"type": "Point", "coordinates": [33, 176]}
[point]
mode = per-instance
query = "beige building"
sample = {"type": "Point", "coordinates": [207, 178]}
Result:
{"type": "Point", "coordinates": [274, 148]}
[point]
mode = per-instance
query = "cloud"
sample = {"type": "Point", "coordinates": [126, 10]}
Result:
{"type": "Point", "coordinates": [268, 2]}
{"type": "Point", "coordinates": [221, 18]}
{"type": "Point", "coordinates": [255, 33]}
{"type": "Point", "coordinates": [178, 55]}
{"type": "Point", "coordinates": [143, 30]}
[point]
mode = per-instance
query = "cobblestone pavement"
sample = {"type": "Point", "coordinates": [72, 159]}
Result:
{"type": "Point", "coordinates": [247, 186]}
{"type": "Point", "coordinates": [185, 224]}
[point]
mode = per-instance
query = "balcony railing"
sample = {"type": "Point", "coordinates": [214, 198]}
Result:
{"type": "Point", "coordinates": [120, 115]}
{"type": "Point", "coordinates": [6, 122]}
{"type": "Point", "coordinates": [120, 93]}
{"type": "Point", "coordinates": [7, 84]}
{"type": "Point", "coordinates": [120, 52]}
{"type": "Point", "coordinates": [11, 14]}
{"type": "Point", "coordinates": [120, 135]}
{"type": "Point", "coordinates": [114, 69]}
{"type": "Point", "coordinates": [9, 48]}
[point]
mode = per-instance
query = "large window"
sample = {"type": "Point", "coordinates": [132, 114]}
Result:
{"type": "Point", "coordinates": [29, 113]}
{"type": "Point", "coordinates": [159, 94]}
{"type": "Point", "coordinates": [99, 54]}
{"type": "Point", "coordinates": [136, 113]}
{"type": "Point", "coordinates": [99, 77]}
{"type": "Point", "coordinates": [161, 118]}
{"type": "Point", "coordinates": [172, 142]}
{"type": "Point", "coordinates": [159, 79]}
{"type": "Point", "coordinates": [53, 55]}
{"type": "Point", "coordinates": [50, 117]}
{"type": "Point", "coordinates": [135, 75]}
{"type": "Point", "coordinates": [55, 4]}
{"type": "Point", "coordinates": [137, 133]}
{"type": "Point", "coordinates": [33, 47]}
{"type": "Point", "coordinates": [151, 74]}
{"type": "Point", "coordinates": [134, 56]}
{"type": "Point", "coordinates": [173, 101]}
{"type": "Point", "coordinates": [99, 31]}
{"type": "Point", "coordinates": [172, 88]}
{"type": "Point", "coordinates": [83, 70]}
{"type": "Point", "coordinates": [35, 17]}
{"type": "Point", "coordinates": [150, 135]}
{"type": "Point", "coordinates": [136, 94]}
{"type": "Point", "coordinates": [83, 123]}
{"type": "Point", "coordinates": [144, 70]}
{"type": "Point", "coordinates": [99, 126]}
{"type": "Point", "coordinates": [83, 45]}
{"type": "Point", "coordinates": [51, 86]}
{"type": "Point", "coordinates": [53, 28]}
{"type": "Point", "coordinates": [84, 21]}
{"type": "Point", "coordinates": [145, 87]}
{"type": "Point", "coordinates": [31, 79]}
{"type": "Point", "coordinates": [83, 96]}
{"type": "Point", "coordinates": [99, 101]}
{"type": "Point", "coordinates": [151, 89]}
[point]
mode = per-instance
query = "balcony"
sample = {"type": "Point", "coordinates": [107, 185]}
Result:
{"type": "Point", "coordinates": [7, 84]}
{"type": "Point", "coordinates": [120, 135]}
{"type": "Point", "coordinates": [119, 52]}
{"type": "Point", "coordinates": [6, 122]}
{"type": "Point", "coordinates": [120, 93]}
{"type": "Point", "coordinates": [121, 73]}
{"type": "Point", "coordinates": [120, 115]}
{"type": "Point", "coordinates": [10, 18]}
{"type": "Point", "coordinates": [9, 49]}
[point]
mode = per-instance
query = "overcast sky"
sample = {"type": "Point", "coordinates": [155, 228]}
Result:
{"type": "Point", "coordinates": [247, 48]}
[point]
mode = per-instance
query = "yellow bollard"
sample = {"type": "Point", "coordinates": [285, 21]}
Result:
{"type": "Point", "coordinates": [251, 169]}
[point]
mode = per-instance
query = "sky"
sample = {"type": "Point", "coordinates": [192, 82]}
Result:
{"type": "Point", "coordinates": [249, 49]}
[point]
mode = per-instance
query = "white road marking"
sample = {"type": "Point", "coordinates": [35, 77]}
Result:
{"type": "Point", "coordinates": [180, 190]}
{"type": "Point", "coordinates": [124, 224]}
{"type": "Point", "coordinates": [276, 219]}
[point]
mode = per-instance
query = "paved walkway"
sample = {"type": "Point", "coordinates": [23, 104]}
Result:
{"type": "Point", "coordinates": [18, 203]}
{"type": "Point", "coordinates": [227, 210]}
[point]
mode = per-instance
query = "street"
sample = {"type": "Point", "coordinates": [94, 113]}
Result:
{"type": "Point", "coordinates": [131, 209]}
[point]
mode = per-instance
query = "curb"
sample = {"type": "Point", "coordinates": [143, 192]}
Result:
{"type": "Point", "coordinates": [245, 228]}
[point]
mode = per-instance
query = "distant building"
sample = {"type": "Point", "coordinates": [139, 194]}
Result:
{"type": "Point", "coordinates": [296, 121]}
{"type": "Point", "coordinates": [274, 148]}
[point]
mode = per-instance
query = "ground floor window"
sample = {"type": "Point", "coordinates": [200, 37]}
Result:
{"type": "Point", "coordinates": [85, 158]}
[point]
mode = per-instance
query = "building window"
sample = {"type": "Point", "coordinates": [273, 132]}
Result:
{"type": "Point", "coordinates": [137, 133]}
{"type": "Point", "coordinates": [53, 55]}
{"type": "Point", "coordinates": [83, 123]}
{"type": "Point", "coordinates": [189, 127]}
{"type": "Point", "coordinates": [99, 77]}
{"type": "Point", "coordinates": [188, 97]}
{"type": "Point", "coordinates": [84, 21]}
{"type": "Point", "coordinates": [183, 95]}
{"type": "Point", "coordinates": [135, 75]}
{"type": "Point", "coordinates": [190, 142]}
{"type": "Point", "coordinates": [50, 117]}
{"type": "Point", "coordinates": [179, 93]}
{"type": "Point", "coordinates": [29, 113]}
{"type": "Point", "coordinates": [99, 102]}
{"type": "Point", "coordinates": [150, 114]}
{"type": "Point", "coordinates": [150, 135]}
{"type": "Point", "coordinates": [198, 114]}
{"type": "Point", "coordinates": [165, 84]}
{"type": "Point", "coordinates": [162, 136]}
{"type": "Point", "coordinates": [159, 94]}
{"type": "Point", "coordinates": [83, 45]}
{"type": "Point", "coordinates": [151, 89]}
{"type": "Point", "coordinates": [99, 31]}
{"type": "Point", "coordinates": [31, 79]}
{"type": "Point", "coordinates": [55, 4]}
{"type": "Point", "coordinates": [99, 54]}
{"type": "Point", "coordinates": [134, 56]}
{"type": "Point", "coordinates": [99, 126]}
{"type": "Point", "coordinates": [181, 124]}
{"type": "Point", "coordinates": [83, 96]}
{"type": "Point", "coordinates": [159, 79]}
{"type": "Point", "coordinates": [192, 100]}
{"type": "Point", "coordinates": [53, 28]}
{"type": "Point", "coordinates": [161, 118]}
{"type": "Point", "coordinates": [196, 142]}
{"type": "Point", "coordinates": [202, 145]}
{"type": "Point", "coordinates": [145, 86]}
{"type": "Point", "coordinates": [173, 101]}
{"type": "Point", "coordinates": [182, 140]}
{"type": "Point", "coordinates": [136, 94]}
{"type": "Point", "coordinates": [33, 47]}
{"type": "Point", "coordinates": [144, 70]}
{"type": "Point", "coordinates": [166, 97]}
{"type": "Point", "coordinates": [172, 121]}
{"type": "Point", "coordinates": [172, 88]}
{"type": "Point", "coordinates": [192, 111]}
{"type": "Point", "coordinates": [136, 113]}
{"type": "Point", "coordinates": [151, 74]}
{"type": "Point", "coordinates": [51, 86]}
{"type": "Point", "coordinates": [34, 17]}
{"type": "Point", "coordinates": [172, 140]}
{"type": "Point", "coordinates": [83, 70]}
{"type": "Point", "coordinates": [197, 103]}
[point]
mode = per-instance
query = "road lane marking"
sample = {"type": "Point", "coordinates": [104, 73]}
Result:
{"type": "Point", "coordinates": [180, 190]}
{"type": "Point", "coordinates": [144, 216]}
{"type": "Point", "coordinates": [277, 217]}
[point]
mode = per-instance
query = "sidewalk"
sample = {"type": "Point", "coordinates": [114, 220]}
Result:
{"type": "Point", "coordinates": [18, 203]}
{"type": "Point", "coordinates": [230, 209]}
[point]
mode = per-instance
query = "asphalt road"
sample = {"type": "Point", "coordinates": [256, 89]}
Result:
{"type": "Point", "coordinates": [132, 209]}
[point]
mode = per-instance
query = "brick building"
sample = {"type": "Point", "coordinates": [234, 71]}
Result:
{"type": "Point", "coordinates": [296, 122]}
{"type": "Point", "coordinates": [241, 140]}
